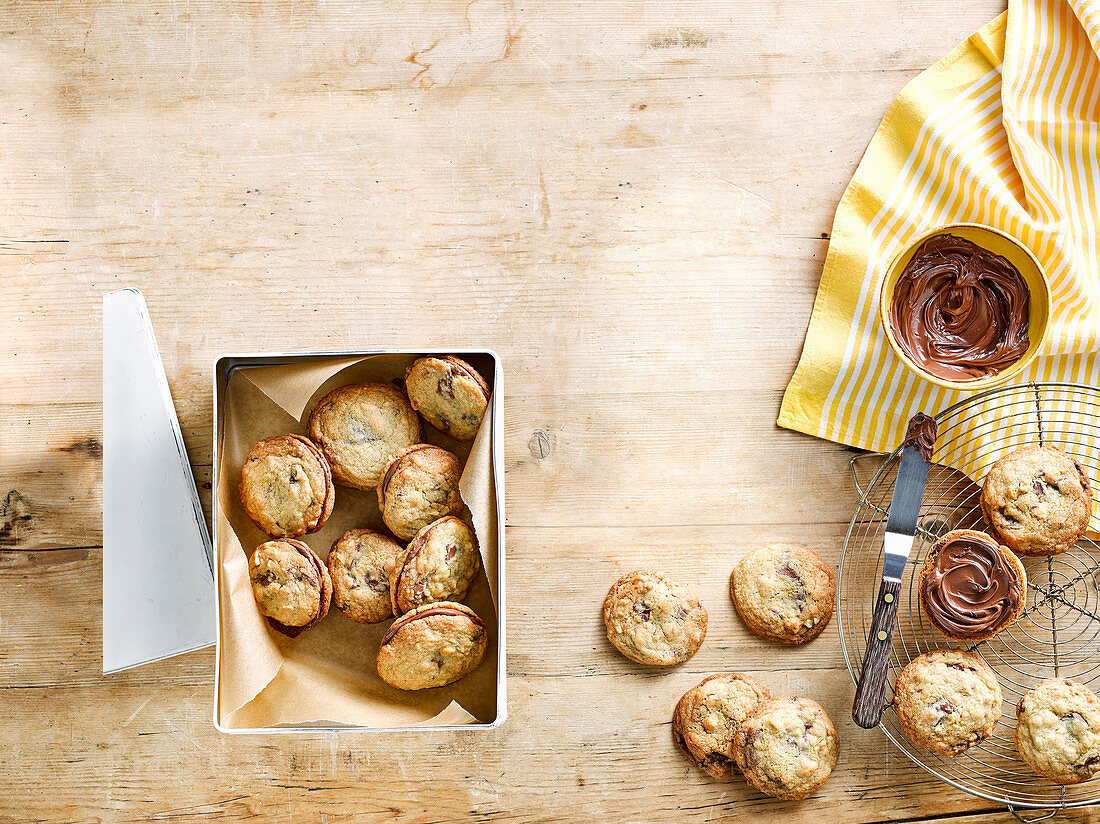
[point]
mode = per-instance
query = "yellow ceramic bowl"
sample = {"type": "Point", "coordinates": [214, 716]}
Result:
{"type": "Point", "coordinates": [999, 243]}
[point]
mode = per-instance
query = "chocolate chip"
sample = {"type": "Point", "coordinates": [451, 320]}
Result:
{"type": "Point", "coordinates": [716, 759]}
{"type": "Point", "coordinates": [681, 613]}
{"type": "Point", "coordinates": [1073, 716]}
{"type": "Point", "coordinates": [378, 585]}
{"type": "Point", "coordinates": [452, 551]}
{"type": "Point", "coordinates": [960, 667]}
{"type": "Point", "coordinates": [1039, 487]}
{"type": "Point", "coordinates": [445, 385]}
{"type": "Point", "coordinates": [944, 707]}
{"type": "Point", "coordinates": [788, 571]}
{"type": "Point", "coordinates": [294, 476]}
{"type": "Point", "coordinates": [642, 610]}
{"type": "Point", "coordinates": [1089, 767]}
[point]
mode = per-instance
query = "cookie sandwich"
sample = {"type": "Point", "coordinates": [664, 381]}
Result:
{"type": "Point", "coordinates": [432, 646]}
{"type": "Point", "coordinates": [286, 486]}
{"type": "Point", "coordinates": [439, 564]}
{"type": "Point", "coordinates": [418, 487]}
{"type": "Point", "coordinates": [450, 394]}
{"type": "Point", "coordinates": [291, 585]}
{"type": "Point", "coordinates": [361, 562]}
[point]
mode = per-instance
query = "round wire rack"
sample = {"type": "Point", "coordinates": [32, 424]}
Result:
{"type": "Point", "coordinates": [1059, 633]}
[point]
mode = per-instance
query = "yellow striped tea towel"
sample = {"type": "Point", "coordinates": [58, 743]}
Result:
{"type": "Point", "coordinates": [1003, 131]}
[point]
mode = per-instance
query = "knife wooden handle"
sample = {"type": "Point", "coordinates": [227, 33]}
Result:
{"type": "Point", "coordinates": [871, 690]}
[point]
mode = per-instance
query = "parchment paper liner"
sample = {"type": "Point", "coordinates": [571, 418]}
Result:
{"type": "Point", "coordinates": [328, 673]}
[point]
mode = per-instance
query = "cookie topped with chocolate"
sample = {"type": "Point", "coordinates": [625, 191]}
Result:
{"type": "Point", "coordinates": [971, 587]}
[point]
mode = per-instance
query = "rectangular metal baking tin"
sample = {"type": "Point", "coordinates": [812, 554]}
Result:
{"type": "Point", "coordinates": [224, 366]}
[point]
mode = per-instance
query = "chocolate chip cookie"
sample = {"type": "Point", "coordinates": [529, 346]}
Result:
{"type": "Point", "coordinates": [450, 394]}
{"type": "Point", "coordinates": [708, 717]}
{"type": "Point", "coordinates": [291, 585]}
{"type": "Point", "coordinates": [970, 587]}
{"type": "Point", "coordinates": [432, 646]}
{"type": "Point", "coordinates": [1038, 499]}
{"type": "Point", "coordinates": [787, 747]}
{"type": "Point", "coordinates": [419, 486]}
{"type": "Point", "coordinates": [439, 564]}
{"type": "Point", "coordinates": [1058, 730]}
{"type": "Point", "coordinates": [947, 701]}
{"type": "Point", "coordinates": [361, 563]}
{"type": "Point", "coordinates": [784, 593]}
{"type": "Point", "coordinates": [286, 486]}
{"type": "Point", "coordinates": [360, 428]}
{"type": "Point", "coordinates": [652, 620]}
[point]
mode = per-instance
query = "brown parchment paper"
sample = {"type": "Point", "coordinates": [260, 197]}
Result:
{"type": "Point", "coordinates": [328, 675]}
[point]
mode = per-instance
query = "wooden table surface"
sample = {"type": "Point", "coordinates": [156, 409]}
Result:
{"type": "Point", "coordinates": [629, 201]}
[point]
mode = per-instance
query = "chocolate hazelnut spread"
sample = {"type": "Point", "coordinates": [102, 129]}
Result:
{"type": "Point", "coordinates": [972, 588]}
{"type": "Point", "coordinates": [960, 312]}
{"type": "Point", "coordinates": [921, 433]}
{"type": "Point", "coordinates": [440, 610]}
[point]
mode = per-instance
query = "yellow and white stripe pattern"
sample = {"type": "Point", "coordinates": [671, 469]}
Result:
{"type": "Point", "coordinates": [1003, 131]}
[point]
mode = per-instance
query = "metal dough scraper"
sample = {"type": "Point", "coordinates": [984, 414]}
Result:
{"type": "Point", "coordinates": [158, 584]}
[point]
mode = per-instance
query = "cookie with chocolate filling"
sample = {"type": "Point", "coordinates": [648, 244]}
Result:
{"type": "Point", "coordinates": [653, 620]}
{"type": "Point", "coordinates": [291, 585]}
{"type": "Point", "coordinates": [787, 747]}
{"type": "Point", "coordinates": [419, 486]}
{"type": "Point", "coordinates": [1038, 499]}
{"type": "Point", "coordinates": [360, 428]}
{"type": "Point", "coordinates": [784, 593]}
{"type": "Point", "coordinates": [286, 486]}
{"type": "Point", "coordinates": [947, 701]}
{"type": "Point", "coordinates": [439, 564]}
{"type": "Point", "coordinates": [708, 717]}
{"type": "Point", "coordinates": [450, 394]}
{"type": "Point", "coordinates": [970, 588]}
{"type": "Point", "coordinates": [432, 646]}
{"type": "Point", "coordinates": [361, 563]}
{"type": "Point", "coordinates": [1058, 730]}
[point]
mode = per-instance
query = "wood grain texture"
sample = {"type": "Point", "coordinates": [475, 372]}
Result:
{"type": "Point", "coordinates": [628, 201]}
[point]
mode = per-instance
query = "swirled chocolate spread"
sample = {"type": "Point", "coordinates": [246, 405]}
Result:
{"type": "Point", "coordinates": [959, 311]}
{"type": "Point", "coordinates": [972, 588]}
{"type": "Point", "coordinates": [921, 433]}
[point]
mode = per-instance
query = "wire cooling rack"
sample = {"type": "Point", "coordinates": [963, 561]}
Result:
{"type": "Point", "coordinates": [1058, 634]}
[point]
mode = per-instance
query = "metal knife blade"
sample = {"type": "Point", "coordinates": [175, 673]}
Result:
{"type": "Point", "coordinates": [901, 527]}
